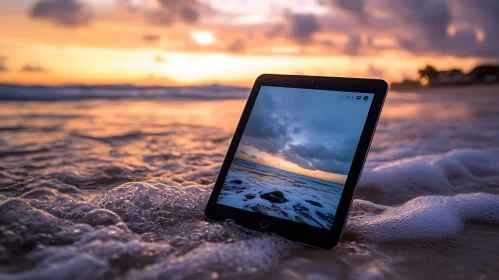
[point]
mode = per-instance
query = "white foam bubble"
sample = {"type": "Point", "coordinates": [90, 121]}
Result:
{"type": "Point", "coordinates": [155, 205]}
{"type": "Point", "coordinates": [453, 171]}
{"type": "Point", "coordinates": [422, 218]}
{"type": "Point", "coordinates": [230, 259]}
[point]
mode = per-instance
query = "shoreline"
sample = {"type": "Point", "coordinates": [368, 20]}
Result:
{"type": "Point", "coordinates": [481, 89]}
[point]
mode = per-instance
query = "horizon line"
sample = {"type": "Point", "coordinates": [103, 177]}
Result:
{"type": "Point", "coordinates": [295, 172]}
{"type": "Point", "coordinates": [121, 84]}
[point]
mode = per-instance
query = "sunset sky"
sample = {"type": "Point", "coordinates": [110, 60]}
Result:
{"type": "Point", "coordinates": [172, 42]}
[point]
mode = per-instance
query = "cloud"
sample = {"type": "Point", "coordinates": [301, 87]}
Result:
{"type": "Point", "coordinates": [303, 27]}
{"type": "Point", "coordinates": [152, 38]}
{"type": "Point", "coordinates": [67, 13]}
{"type": "Point", "coordinates": [253, 157]}
{"type": "Point", "coordinates": [299, 28]}
{"type": "Point", "coordinates": [354, 45]}
{"type": "Point", "coordinates": [482, 14]}
{"type": "Point", "coordinates": [426, 21]}
{"type": "Point", "coordinates": [353, 7]}
{"type": "Point", "coordinates": [160, 17]}
{"type": "Point", "coordinates": [375, 71]}
{"type": "Point", "coordinates": [3, 68]}
{"type": "Point", "coordinates": [238, 45]}
{"type": "Point", "coordinates": [326, 43]}
{"type": "Point", "coordinates": [319, 157]}
{"type": "Point", "coordinates": [186, 10]}
{"type": "Point", "coordinates": [325, 138]}
{"type": "Point", "coordinates": [427, 18]}
{"type": "Point", "coordinates": [171, 11]}
{"type": "Point", "coordinates": [30, 68]}
{"type": "Point", "coordinates": [420, 27]}
{"type": "Point", "coordinates": [275, 31]}
{"type": "Point", "coordinates": [332, 156]}
{"type": "Point", "coordinates": [189, 15]}
{"type": "Point", "coordinates": [266, 131]}
{"type": "Point", "coordinates": [265, 123]}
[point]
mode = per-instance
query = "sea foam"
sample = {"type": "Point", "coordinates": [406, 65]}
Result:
{"type": "Point", "coordinates": [457, 170]}
{"type": "Point", "coordinates": [423, 218]}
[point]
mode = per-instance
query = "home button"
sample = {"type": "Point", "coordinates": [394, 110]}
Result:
{"type": "Point", "coordinates": [264, 224]}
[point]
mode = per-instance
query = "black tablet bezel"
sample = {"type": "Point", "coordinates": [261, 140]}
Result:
{"type": "Point", "coordinates": [299, 232]}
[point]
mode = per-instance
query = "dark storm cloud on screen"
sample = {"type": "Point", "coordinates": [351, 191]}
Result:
{"type": "Point", "coordinates": [312, 129]}
{"type": "Point", "coordinates": [267, 131]}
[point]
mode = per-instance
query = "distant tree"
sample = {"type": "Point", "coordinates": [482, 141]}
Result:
{"type": "Point", "coordinates": [428, 75]}
{"type": "Point", "coordinates": [480, 72]}
{"type": "Point", "coordinates": [429, 71]}
{"type": "Point", "coordinates": [455, 71]}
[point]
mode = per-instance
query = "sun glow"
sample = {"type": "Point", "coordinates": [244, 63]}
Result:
{"type": "Point", "coordinates": [203, 38]}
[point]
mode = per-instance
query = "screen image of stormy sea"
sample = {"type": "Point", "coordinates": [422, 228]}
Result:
{"type": "Point", "coordinates": [112, 182]}
{"type": "Point", "coordinates": [295, 153]}
{"type": "Point", "coordinates": [270, 191]}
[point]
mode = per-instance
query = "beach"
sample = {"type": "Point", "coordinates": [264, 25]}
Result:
{"type": "Point", "coordinates": [111, 185]}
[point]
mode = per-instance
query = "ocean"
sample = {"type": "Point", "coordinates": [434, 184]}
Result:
{"type": "Point", "coordinates": [112, 183]}
{"type": "Point", "coordinates": [301, 199]}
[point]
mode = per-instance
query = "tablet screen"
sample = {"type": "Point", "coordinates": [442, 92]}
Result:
{"type": "Point", "coordinates": [295, 154]}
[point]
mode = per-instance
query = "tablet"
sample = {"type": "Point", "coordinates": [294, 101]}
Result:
{"type": "Point", "coordinates": [296, 156]}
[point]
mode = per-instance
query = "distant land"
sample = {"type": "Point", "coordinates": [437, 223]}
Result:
{"type": "Point", "coordinates": [430, 77]}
